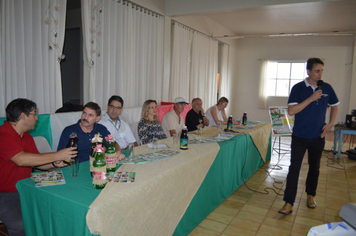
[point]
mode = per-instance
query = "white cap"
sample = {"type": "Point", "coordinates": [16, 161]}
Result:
{"type": "Point", "coordinates": [180, 100]}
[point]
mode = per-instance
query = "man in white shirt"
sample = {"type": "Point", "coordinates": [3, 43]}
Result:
{"type": "Point", "coordinates": [117, 127]}
{"type": "Point", "coordinates": [173, 121]}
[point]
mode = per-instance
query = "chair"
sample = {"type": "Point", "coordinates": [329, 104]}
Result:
{"type": "Point", "coordinates": [282, 126]}
{"type": "Point", "coordinates": [42, 144]}
{"type": "Point", "coordinates": [348, 214]}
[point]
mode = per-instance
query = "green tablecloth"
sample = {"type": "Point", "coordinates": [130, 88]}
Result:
{"type": "Point", "coordinates": [62, 209]}
{"type": "Point", "coordinates": [237, 161]}
{"type": "Point", "coordinates": [42, 128]}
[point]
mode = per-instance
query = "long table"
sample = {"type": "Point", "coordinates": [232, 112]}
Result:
{"type": "Point", "coordinates": [62, 209]}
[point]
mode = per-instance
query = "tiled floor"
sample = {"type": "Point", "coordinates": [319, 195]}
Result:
{"type": "Point", "coordinates": [247, 212]}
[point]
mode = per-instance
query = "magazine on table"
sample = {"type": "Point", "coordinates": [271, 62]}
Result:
{"type": "Point", "coordinates": [149, 157]}
{"type": "Point", "coordinates": [124, 177]}
{"type": "Point", "coordinates": [48, 178]}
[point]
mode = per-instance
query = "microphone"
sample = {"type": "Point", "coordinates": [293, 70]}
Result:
{"type": "Point", "coordinates": [320, 84]}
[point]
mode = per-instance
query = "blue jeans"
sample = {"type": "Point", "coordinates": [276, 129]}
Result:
{"type": "Point", "coordinates": [299, 146]}
{"type": "Point", "coordinates": [10, 213]}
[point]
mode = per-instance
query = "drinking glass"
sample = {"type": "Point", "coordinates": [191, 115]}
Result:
{"type": "Point", "coordinates": [130, 149]}
{"type": "Point", "coordinates": [200, 132]}
{"type": "Point", "coordinates": [176, 138]}
{"type": "Point", "coordinates": [219, 125]}
{"type": "Point", "coordinates": [74, 166]}
{"type": "Point", "coordinates": [154, 143]}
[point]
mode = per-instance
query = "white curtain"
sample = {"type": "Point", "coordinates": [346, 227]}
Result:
{"type": "Point", "coordinates": [181, 58]}
{"type": "Point", "coordinates": [224, 77]}
{"type": "Point", "coordinates": [204, 69]}
{"type": "Point", "coordinates": [31, 43]}
{"type": "Point", "coordinates": [194, 65]}
{"type": "Point", "coordinates": [123, 46]}
{"type": "Point", "coordinates": [262, 96]}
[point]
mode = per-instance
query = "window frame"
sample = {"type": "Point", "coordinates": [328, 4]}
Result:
{"type": "Point", "coordinates": [267, 79]}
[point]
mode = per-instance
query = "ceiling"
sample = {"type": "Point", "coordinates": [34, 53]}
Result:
{"type": "Point", "coordinates": [311, 17]}
{"type": "Point", "coordinates": [321, 17]}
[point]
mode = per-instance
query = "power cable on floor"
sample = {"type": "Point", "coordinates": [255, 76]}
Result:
{"type": "Point", "coordinates": [332, 161]}
{"type": "Point", "coordinates": [275, 167]}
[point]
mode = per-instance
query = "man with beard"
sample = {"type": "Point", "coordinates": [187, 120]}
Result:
{"type": "Point", "coordinates": [85, 129]}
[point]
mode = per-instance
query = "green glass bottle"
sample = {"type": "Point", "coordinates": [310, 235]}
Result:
{"type": "Point", "coordinates": [95, 141]}
{"type": "Point", "coordinates": [99, 168]}
{"type": "Point", "coordinates": [110, 155]}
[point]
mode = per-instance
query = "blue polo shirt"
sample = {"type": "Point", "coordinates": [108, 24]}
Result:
{"type": "Point", "coordinates": [308, 123]}
{"type": "Point", "coordinates": [84, 139]}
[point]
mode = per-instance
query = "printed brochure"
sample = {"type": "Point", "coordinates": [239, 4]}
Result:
{"type": "Point", "coordinates": [124, 177]}
{"type": "Point", "coordinates": [48, 178]}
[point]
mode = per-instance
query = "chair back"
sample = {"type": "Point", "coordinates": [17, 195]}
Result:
{"type": "Point", "coordinates": [42, 144]}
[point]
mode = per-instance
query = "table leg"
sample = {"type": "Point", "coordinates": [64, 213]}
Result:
{"type": "Point", "coordinates": [340, 144]}
{"type": "Point", "coordinates": [336, 132]}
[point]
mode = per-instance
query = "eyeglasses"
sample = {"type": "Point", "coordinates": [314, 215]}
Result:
{"type": "Point", "coordinates": [115, 107]}
{"type": "Point", "coordinates": [34, 114]}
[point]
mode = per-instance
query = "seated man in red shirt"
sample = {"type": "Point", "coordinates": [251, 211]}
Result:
{"type": "Point", "coordinates": [18, 154]}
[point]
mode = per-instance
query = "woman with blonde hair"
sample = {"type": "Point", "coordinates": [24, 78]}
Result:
{"type": "Point", "coordinates": [216, 113]}
{"type": "Point", "coordinates": [149, 126]}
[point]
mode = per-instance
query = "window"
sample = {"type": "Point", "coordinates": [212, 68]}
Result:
{"type": "Point", "coordinates": [282, 76]}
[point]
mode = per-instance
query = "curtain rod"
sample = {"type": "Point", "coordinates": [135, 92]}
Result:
{"type": "Point", "coordinates": [138, 5]}
{"type": "Point", "coordinates": [190, 28]}
{"type": "Point", "coordinates": [270, 59]}
{"type": "Point", "coordinates": [322, 34]}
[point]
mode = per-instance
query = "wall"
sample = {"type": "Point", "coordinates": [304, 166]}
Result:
{"type": "Point", "coordinates": [335, 51]}
{"type": "Point", "coordinates": [352, 101]}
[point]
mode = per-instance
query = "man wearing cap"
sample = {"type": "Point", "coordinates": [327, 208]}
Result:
{"type": "Point", "coordinates": [172, 121]}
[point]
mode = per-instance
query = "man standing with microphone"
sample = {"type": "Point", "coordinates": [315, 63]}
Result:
{"type": "Point", "coordinates": [308, 102]}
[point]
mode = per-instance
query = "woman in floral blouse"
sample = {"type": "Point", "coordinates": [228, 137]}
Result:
{"type": "Point", "coordinates": [149, 126]}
